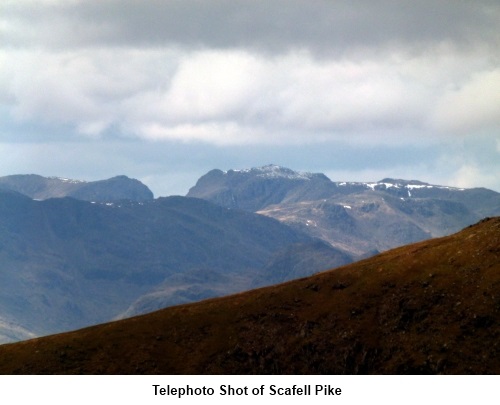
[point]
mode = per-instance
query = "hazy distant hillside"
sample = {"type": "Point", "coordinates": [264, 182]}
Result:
{"type": "Point", "coordinates": [67, 263]}
{"type": "Point", "coordinates": [356, 217]}
{"type": "Point", "coordinates": [427, 308]}
{"type": "Point", "coordinates": [42, 188]}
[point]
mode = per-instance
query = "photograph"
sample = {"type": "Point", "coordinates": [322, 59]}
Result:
{"type": "Point", "coordinates": [250, 198]}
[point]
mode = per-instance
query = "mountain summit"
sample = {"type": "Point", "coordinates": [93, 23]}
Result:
{"type": "Point", "coordinates": [256, 188]}
{"type": "Point", "coordinates": [42, 188]}
{"type": "Point", "coordinates": [272, 171]}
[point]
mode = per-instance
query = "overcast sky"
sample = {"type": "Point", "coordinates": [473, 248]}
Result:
{"type": "Point", "coordinates": [164, 91]}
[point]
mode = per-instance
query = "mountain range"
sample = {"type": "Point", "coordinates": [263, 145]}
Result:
{"type": "Point", "coordinates": [427, 308]}
{"type": "Point", "coordinates": [75, 253]}
{"type": "Point", "coordinates": [358, 218]}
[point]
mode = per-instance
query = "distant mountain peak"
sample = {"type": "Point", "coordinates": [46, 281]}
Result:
{"type": "Point", "coordinates": [273, 171]}
{"type": "Point", "coordinates": [42, 188]}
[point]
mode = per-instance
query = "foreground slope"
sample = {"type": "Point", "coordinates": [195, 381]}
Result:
{"type": "Point", "coordinates": [430, 307]}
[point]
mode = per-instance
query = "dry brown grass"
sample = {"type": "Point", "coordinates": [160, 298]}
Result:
{"type": "Point", "coordinates": [432, 307]}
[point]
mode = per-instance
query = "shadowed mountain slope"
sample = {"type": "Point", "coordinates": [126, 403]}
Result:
{"type": "Point", "coordinates": [66, 263]}
{"type": "Point", "coordinates": [430, 307]}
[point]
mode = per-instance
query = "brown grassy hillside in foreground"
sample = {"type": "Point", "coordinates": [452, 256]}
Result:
{"type": "Point", "coordinates": [430, 307]}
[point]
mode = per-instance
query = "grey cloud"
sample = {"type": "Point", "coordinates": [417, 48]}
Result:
{"type": "Point", "coordinates": [319, 25]}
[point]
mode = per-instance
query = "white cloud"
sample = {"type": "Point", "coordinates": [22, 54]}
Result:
{"type": "Point", "coordinates": [236, 97]}
{"type": "Point", "coordinates": [213, 84]}
{"type": "Point", "coordinates": [218, 133]}
{"type": "Point", "coordinates": [82, 89]}
{"type": "Point", "coordinates": [473, 106]}
{"type": "Point", "coordinates": [471, 175]}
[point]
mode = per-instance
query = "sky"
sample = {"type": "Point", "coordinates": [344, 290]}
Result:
{"type": "Point", "coordinates": [166, 90]}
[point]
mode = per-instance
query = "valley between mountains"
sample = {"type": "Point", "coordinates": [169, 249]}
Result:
{"type": "Point", "coordinates": [75, 254]}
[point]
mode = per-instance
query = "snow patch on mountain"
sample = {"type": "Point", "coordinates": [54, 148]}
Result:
{"type": "Point", "coordinates": [274, 171]}
{"type": "Point", "coordinates": [66, 180]}
{"type": "Point", "coordinates": [403, 184]}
